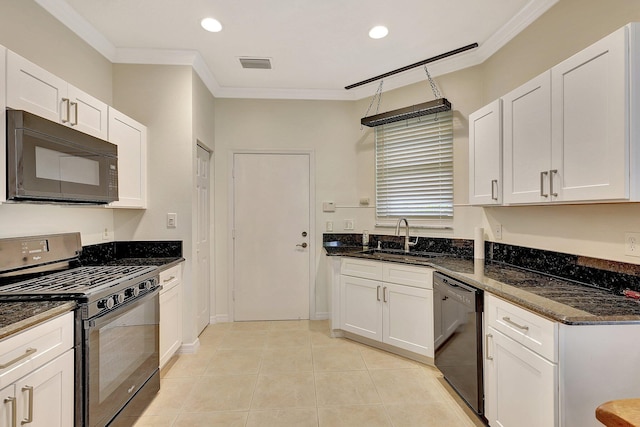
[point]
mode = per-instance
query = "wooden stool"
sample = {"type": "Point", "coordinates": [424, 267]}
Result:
{"type": "Point", "coordinates": [619, 413]}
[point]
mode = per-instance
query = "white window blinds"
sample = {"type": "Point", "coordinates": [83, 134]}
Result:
{"type": "Point", "coordinates": [414, 168]}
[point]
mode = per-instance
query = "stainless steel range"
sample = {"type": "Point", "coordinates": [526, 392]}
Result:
{"type": "Point", "coordinates": [117, 321]}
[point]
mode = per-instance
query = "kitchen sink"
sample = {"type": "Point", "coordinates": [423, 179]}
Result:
{"type": "Point", "coordinates": [399, 254]}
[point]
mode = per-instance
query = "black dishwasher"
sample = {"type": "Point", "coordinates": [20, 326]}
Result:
{"type": "Point", "coordinates": [458, 310]}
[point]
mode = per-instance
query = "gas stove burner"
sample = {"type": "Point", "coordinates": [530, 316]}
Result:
{"type": "Point", "coordinates": [81, 280]}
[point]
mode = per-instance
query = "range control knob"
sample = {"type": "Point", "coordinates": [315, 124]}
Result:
{"type": "Point", "coordinates": [146, 285]}
{"type": "Point", "coordinates": [118, 298]}
{"type": "Point", "coordinates": [132, 292]}
{"type": "Point", "coordinates": [106, 303]}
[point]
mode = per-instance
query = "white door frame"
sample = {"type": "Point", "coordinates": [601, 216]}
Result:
{"type": "Point", "coordinates": [312, 225]}
{"type": "Point", "coordinates": [212, 254]}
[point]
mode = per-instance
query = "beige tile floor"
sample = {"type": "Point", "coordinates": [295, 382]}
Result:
{"type": "Point", "coordinates": [292, 373]}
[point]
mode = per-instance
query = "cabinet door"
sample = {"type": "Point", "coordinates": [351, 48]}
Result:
{"type": "Point", "coordinates": [34, 89]}
{"type": "Point", "coordinates": [8, 411]}
{"type": "Point", "coordinates": [131, 139]}
{"type": "Point", "coordinates": [527, 142]}
{"type": "Point", "coordinates": [408, 318]}
{"type": "Point", "coordinates": [170, 321]}
{"type": "Point", "coordinates": [46, 396]}
{"type": "Point", "coordinates": [361, 306]}
{"type": "Point", "coordinates": [521, 387]}
{"type": "Point", "coordinates": [3, 124]}
{"type": "Point", "coordinates": [485, 155]}
{"type": "Point", "coordinates": [590, 122]}
{"type": "Point", "coordinates": [87, 114]}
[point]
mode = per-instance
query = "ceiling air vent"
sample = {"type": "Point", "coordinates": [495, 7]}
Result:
{"type": "Point", "coordinates": [256, 63]}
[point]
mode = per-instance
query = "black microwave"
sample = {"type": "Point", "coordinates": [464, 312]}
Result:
{"type": "Point", "coordinates": [51, 162]}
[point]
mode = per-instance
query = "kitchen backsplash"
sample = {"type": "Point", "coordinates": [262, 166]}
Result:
{"type": "Point", "coordinates": [106, 252]}
{"type": "Point", "coordinates": [610, 275]}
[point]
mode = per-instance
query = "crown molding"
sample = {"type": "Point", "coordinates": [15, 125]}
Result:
{"type": "Point", "coordinates": [76, 23]}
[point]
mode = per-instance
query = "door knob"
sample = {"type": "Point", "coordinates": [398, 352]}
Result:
{"type": "Point", "coordinates": [303, 245]}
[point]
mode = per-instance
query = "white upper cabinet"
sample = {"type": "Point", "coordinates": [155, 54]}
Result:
{"type": "Point", "coordinates": [590, 125]}
{"type": "Point", "coordinates": [527, 141]}
{"type": "Point", "coordinates": [485, 155]}
{"type": "Point", "coordinates": [3, 125]}
{"type": "Point", "coordinates": [131, 139]}
{"type": "Point", "coordinates": [36, 90]}
{"type": "Point", "coordinates": [568, 134]}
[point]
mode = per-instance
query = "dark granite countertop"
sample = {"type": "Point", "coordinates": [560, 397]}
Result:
{"type": "Point", "coordinates": [558, 299]}
{"type": "Point", "coordinates": [17, 316]}
{"type": "Point", "coordinates": [163, 263]}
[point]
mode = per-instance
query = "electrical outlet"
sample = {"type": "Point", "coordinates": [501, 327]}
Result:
{"type": "Point", "coordinates": [632, 244]}
{"type": "Point", "coordinates": [497, 231]}
{"type": "Point", "coordinates": [105, 234]}
{"type": "Point", "coordinates": [348, 224]}
{"type": "Point", "coordinates": [329, 226]}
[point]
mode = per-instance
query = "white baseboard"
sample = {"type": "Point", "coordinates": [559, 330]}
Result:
{"type": "Point", "coordinates": [322, 316]}
{"type": "Point", "coordinates": [220, 318]}
{"type": "Point", "coordinates": [189, 348]}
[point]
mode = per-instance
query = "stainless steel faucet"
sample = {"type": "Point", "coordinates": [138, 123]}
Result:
{"type": "Point", "coordinates": [407, 243]}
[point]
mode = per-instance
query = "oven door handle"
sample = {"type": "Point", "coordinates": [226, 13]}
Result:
{"type": "Point", "coordinates": [102, 320]}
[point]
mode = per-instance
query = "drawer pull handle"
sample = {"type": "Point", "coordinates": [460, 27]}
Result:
{"type": "Point", "coordinates": [169, 279]}
{"type": "Point", "coordinates": [14, 420]}
{"type": "Point", "coordinates": [27, 353]}
{"type": "Point", "coordinates": [486, 344]}
{"type": "Point", "coordinates": [512, 323]}
{"type": "Point", "coordinates": [29, 418]}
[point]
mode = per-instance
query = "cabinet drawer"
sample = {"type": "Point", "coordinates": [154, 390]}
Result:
{"type": "Point", "coordinates": [532, 331]}
{"type": "Point", "coordinates": [28, 350]}
{"type": "Point", "coordinates": [361, 268]}
{"type": "Point", "coordinates": [421, 277]}
{"type": "Point", "coordinates": [170, 277]}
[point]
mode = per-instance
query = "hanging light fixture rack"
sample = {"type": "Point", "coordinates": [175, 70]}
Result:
{"type": "Point", "coordinates": [430, 107]}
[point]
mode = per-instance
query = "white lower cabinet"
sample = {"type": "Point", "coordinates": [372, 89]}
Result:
{"type": "Point", "coordinates": [396, 314]}
{"type": "Point", "coordinates": [170, 313]}
{"type": "Point", "coordinates": [521, 386]}
{"type": "Point", "coordinates": [38, 376]}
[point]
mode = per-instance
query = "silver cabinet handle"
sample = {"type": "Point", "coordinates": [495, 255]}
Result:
{"type": "Point", "coordinates": [494, 184]}
{"type": "Point", "coordinates": [169, 279]}
{"type": "Point", "coordinates": [303, 245]}
{"type": "Point", "coordinates": [14, 420]}
{"type": "Point", "coordinates": [551, 173]}
{"type": "Point", "coordinates": [75, 111]}
{"type": "Point", "coordinates": [29, 418]}
{"type": "Point", "coordinates": [542, 175]}
{"type": "Point", "coordinates": [67, 101]}
{"type": "Point", "coordinates": [384, 294]}
{"type": "Point", "coordinates": [512, 323]}
{"type": "Point", "coordinates": [27, 353]}
{"type": "Point", "coordinates": [378, 293]}
{"type": "Point", "coordinates": [486, 345]}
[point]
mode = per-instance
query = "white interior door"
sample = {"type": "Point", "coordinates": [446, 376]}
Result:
{"type": "Point", "coordinates": [271, 236]}
{"type": "Point", "coordinates": [202, 240]}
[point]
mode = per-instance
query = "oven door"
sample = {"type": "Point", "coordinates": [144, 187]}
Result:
{"type": "Point", "coordinates": [121, 354]}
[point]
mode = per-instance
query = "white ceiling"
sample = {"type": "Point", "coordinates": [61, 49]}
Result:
{"type": "Point", "coordinates": [317, 47]}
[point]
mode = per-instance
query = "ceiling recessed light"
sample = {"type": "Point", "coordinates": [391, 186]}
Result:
{"type": "Point", "coordinates": [378, 32]}
{"type": "Point", "coordinates": [211, 24]}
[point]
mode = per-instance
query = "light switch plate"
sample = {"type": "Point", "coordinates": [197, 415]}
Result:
{"type": "Point", "coordinates": [329, 226]}
{"type": "Point", "coordinates": [172, 220]}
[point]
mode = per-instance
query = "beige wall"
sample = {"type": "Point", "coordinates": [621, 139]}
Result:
{"type": "Point", "coordinates": [592, 230]}
{"type": "Point", "coordinates": [33, 33]}
{"type": "Point", "coordinates": [161, 97]}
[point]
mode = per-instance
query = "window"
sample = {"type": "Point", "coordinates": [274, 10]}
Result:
{"type": "Point", "coordinates": [414, 169]}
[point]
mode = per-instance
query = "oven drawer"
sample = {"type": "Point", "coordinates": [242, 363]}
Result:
{"type": "Point", "coordinates": [31, 349]}
{"type": "Point", "coordinates": [531, 330]}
